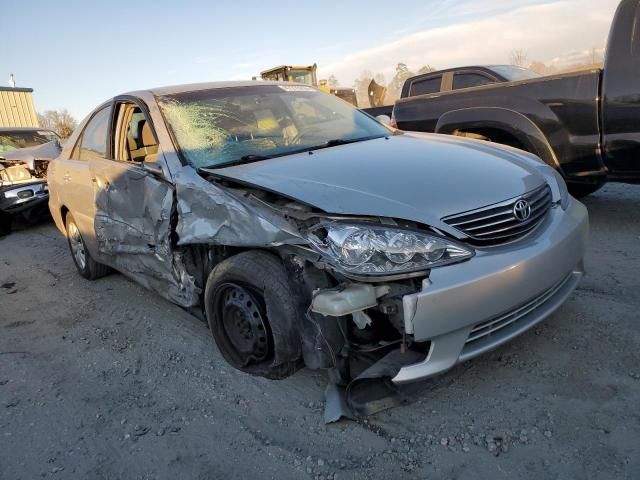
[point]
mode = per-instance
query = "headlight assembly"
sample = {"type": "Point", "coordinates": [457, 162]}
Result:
{"type": "Point", "coordinates": [377, 250]}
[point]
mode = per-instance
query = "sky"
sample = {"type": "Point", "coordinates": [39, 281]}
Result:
{"type": "Point", "coordinates": [77, 54]}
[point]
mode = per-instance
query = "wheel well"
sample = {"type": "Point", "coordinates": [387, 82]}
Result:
{"type": "Point", "coordinates": [63, 211]}
{"type": "Point", "coordinates": [491, 135]}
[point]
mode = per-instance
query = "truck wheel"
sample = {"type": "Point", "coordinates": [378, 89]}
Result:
{"type": "Point", "coordinates": [86, 265]}
{"type": "Point", "coordinates": [579, 190]}
{"type": "Point", "coordinates": [253, 316]}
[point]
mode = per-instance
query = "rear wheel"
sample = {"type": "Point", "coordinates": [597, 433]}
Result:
{"type": "Point", "coordinates": [86, 265]}
{"type": "Point", "coordinates": [253, 316]}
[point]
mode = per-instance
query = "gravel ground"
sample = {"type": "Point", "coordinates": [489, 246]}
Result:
{"type": "Point", "coordinates": [106, 380]}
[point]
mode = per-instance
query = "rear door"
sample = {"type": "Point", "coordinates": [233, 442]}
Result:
{"type": "Point", "coordinates": [74, 178]}
{"type": "Point", "coordinates": [132, 199]}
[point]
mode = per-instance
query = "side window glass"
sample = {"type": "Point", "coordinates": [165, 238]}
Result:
{"type": "Point", "coordinates": [75, 153]}
{"type": "Point", "coordinates": [426, 86]}
{"type": "Point", "coordinates": [135, 139]}
{"type": "Point", "coordinates": [469, 80]}
{"type": "Point", "coordinates": [94, 137]}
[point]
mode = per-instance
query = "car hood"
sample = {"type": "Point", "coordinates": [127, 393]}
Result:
{"type": "Point", "coordinates": [28, 155]}
{"type": "Point", "coordinates": [418, 177]}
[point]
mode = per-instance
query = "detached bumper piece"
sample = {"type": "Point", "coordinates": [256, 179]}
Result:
{"type": "Point", "coordinates": [372, 391]}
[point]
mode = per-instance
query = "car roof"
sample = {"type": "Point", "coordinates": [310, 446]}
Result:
{"type": "Point", "coordinates": [193, 87]}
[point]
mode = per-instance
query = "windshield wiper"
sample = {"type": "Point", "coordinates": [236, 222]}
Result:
{"type": "Point", "coordinates": [330, 143]}
{"type": "Point", "coordinates": [342, 141]}
{"type": "Point", "coordinates": [257, 158]}
{"type": "Point", "coordinates": [242, 160]}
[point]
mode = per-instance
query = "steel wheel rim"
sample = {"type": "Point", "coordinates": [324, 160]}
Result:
{"type": "Point", "coordinates": [77, 246]}
{"type": "Point", "coordinates": [243, 323]}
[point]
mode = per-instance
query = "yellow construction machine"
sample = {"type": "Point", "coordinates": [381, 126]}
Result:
{"type": "Point", "coordinates": [307, 75]}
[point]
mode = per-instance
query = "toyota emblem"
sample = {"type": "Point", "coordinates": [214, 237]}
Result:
{"type": "Point", "coordinates": [522, 210]}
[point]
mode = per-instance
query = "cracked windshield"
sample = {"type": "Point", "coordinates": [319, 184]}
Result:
{"type": "Point", "coordinates": [219, 127]}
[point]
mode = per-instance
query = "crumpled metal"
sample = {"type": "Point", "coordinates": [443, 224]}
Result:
{"type": "Point", "coordinates": [209, 214]}
{"type": "Point", "coordinates": [133, 227]}
{"type": "Point", "coordinates": [139, 241]}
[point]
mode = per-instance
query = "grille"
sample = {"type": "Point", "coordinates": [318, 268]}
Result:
{"type": "Point", "coordinates": [494, 325]}
{"type": "Point", "coordinates": [498, 224]}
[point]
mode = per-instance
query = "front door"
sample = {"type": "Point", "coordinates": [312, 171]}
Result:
{"type": "Point", "coordinates": [133, 204]}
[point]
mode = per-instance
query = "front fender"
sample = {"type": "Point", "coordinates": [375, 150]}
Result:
{"type": "Point", "coordinates": [508, 121]}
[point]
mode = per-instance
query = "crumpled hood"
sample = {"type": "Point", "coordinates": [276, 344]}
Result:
{"type": "Point", "coordinates": [413, 176]}
{"type": "Point", "coordinates": [28, 155]}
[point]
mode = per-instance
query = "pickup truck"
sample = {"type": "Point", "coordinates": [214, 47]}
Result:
{"type": "Point", "coordinates": [584, 124]}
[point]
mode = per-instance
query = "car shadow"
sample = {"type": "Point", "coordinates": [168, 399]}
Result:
{"type": "Point", "coordinates": [17, 223]}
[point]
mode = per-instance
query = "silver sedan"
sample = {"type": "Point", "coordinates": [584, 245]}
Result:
{"type": "Point", "coordinates": [308, 233]}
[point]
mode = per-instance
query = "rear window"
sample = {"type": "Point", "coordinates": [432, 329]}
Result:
{"type": "Point", "coordinates": [426, 86]}
{"type": "Point", "coordinates": [470, 80]}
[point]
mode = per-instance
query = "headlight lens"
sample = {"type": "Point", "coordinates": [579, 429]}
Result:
{"type": "Point", "coordinates": [380, 250]}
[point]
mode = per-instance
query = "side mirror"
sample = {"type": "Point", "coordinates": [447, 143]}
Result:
{"type": "Point", "coordinates": [153, 168]}
{"type": "Point", "coordinates": [384, 119]}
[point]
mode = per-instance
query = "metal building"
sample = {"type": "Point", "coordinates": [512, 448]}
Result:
{"type": "Point", "coordinates": [16, 108]}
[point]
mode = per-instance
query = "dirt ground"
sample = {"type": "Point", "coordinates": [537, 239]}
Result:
{"type": "Point", "coordinates": [106, 380]}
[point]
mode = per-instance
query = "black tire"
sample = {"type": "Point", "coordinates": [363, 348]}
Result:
{"type": "Point", "coordinates": [89, 268]}
{"type": "Point", "coordinates": [580, 190]}
{"type": "Point", "coordinates": [254, 316]}
{"type": "Point", "coordinates": [6, 223]}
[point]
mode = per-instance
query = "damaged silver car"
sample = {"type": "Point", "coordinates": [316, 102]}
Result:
{"type": "Point", "coordinates": [24, 156]}
{"type": "Point", "coordinates": [307, 233]}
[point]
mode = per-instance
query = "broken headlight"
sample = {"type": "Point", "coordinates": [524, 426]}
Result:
{"type": "Point", "coordinates": [383, 250]}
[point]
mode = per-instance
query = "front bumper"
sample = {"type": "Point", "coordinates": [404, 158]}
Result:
{"type": "Point", "coordinates": [467, 309]}
{"type": "Point", "coordinates": [19, 197]}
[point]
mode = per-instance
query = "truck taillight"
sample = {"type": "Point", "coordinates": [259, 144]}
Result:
{"type": "Point", "coordinates": [393, 123]}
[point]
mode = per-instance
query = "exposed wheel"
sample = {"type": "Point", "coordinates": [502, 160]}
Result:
{"type": "Point", "coordinates": [253, 315]}
{"type": "Point", "coordinates": [86, 265]}
{"type": "Point", "coordinates": [580, 190]}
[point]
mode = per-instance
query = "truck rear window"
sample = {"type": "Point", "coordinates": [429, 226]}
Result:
{"type": "Point", "coordinates": [470, 80]}
{"type": "Point", "coordinates": [426, 86]}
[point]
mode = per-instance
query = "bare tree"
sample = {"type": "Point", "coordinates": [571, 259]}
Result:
{"type": "Point", "coordinates": [395, 86]}
{"type": "Point", "coordinates": [60, 121]}
{"type": "Point", "coordinates": [425, 69]}
{"type": "Point", "coordinates": [379, 78]}
{"type": "Point", "coordinates": [361, 86]}
{"type": "Point", "coordinates": [518, 57]}
{"type": "Point", "coordinates": [332, 81]}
